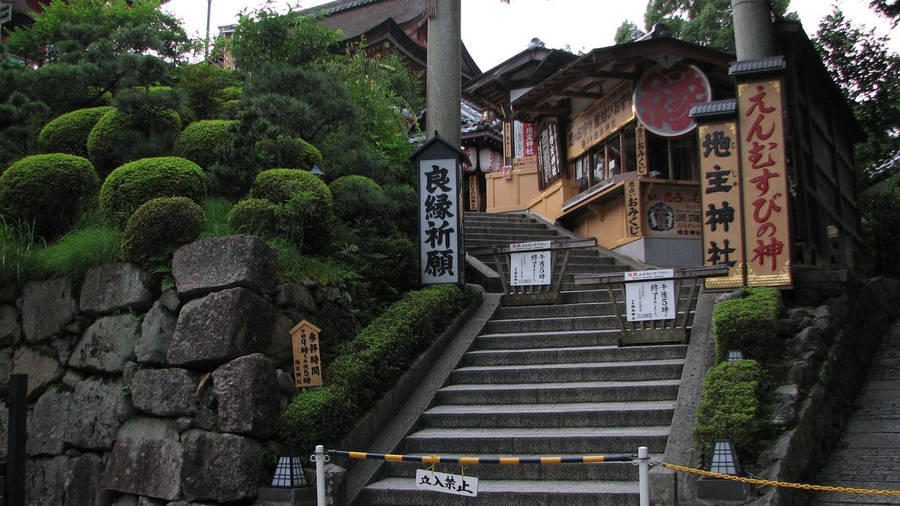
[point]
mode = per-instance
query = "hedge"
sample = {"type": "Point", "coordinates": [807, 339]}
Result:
{"type": "Point", "coordinates": [305, 204]}
{"type": "Point", "coordinates": [105, 142]}
{"type": "Point", "coordinates": [749, 324]}
{"type": "Point", "coordinates": [358, 200]}
{"type": "Point", "coordinates": [255, 217]}
{"type": "Point", "coordinates": [288, 152]}
{"type": "Point", "coordinates": [369, 366]}
{"type": "Point", "coordinates": [134, 183]}
{"type": "Point", "coordinates": [730, 408]}
{"type": "Point", "coordinates": [50, 191]}
{"type": "Point", "coordinates": [159, 226]}
{"type": "Point", "coordinates": [69, 132]}
{"type": "Point", "coordinates": [201, 141]}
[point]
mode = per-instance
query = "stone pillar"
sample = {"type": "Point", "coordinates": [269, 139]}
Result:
{"type": "Point", "coordinates": [754, 34]}
{"type": "Point", "coordinates": [443, 75]}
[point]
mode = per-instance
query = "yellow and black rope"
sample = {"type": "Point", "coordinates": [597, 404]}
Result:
{"type": "Point", "coordinates": [434, 459]}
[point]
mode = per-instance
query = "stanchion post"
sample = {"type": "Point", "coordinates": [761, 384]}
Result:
{"type": "Point", "coordinates": [644, 475]}
{"type": "Point", "coordinates": [320, 475]}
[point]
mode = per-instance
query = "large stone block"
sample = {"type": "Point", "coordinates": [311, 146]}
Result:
{"type": "Point", "coordinates": [247, 391]}
{"type": "Point", "coordinates": [84, 487]}
{"type": "Point", "coordinates": [156, 335]}
{"type": "Point", "coordinates": [220, 467]}
{"type": "Point", "coordinates": [107, 344]}
{"type": "Point", "coordinates": [41, 366]}
{"type": "Point", "coordinates": [48, 422]}
{"type": "Point", "coordinates": [164, 392]}
{"type": "Point", "coordinates": [47, 306]}
{"type": "Point", "coordinates": [4, 429]}
{"type": "Point", "coordinates": [220, 327]}
{"type": "Point", "coordinates": [94, 423]}
{"type": "Point", "coordinates": [10, 331]}
{"type": "Point", "coordinates": [217, 263]}
{"type": "Point", "coordinates": [146, 460]}
{"type": "Point", "coordinates": [45, 481]}
{"type": "Point", "coordinates": [117, 287]}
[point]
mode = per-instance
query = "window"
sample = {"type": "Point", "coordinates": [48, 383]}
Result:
{"type": "Point", "coordinates": [548, 153]}
{"type": "Point", "coordinates": [615, 155]}
{"type": "Point", "coordinates": [672, 158]}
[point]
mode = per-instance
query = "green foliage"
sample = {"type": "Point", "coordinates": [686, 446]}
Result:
{"type": "Point", "coordinates": [880, 214]}
{"type": "Point", "coordinates": [159, 226]}
{"type": "Point", "coordinates": [869, 76]}
{"type": "Point", "coordinates": [134, 183]}
{"type": "Point", "coordinates": [404, 203]}
{"type": "Point", "coordinates": [228, 94]}
{"type": "Point", "coordinates": [280, 185]}
{"type": "Point", "coordinates": [118, 138]}
{"type": "Point", "coordinates": [730, 408]}
{"type": "Point", "coordinates": [49, 191]}
{"type": "Point", "coordinates": [17, 246]}
{"type": "Point", "coordinates": [216, 212]}
{"type": "Point", "coordinates": [293, 40]}
{"type": "Point", "coordinates": [202, 141]}
{"type": "Point", "coordinates": [359, 200]}
{"type": "Point", "coordinates": [205, 88]}
{"type": "Point", "coordinates": [69, 133]}
{"type": "Point", "coordinates": [627, 32]}
{"type": "Point", "coordinates": [20, 121]}
{"type": "Point", "coordinates": [749, 324]}
{"type": "Point", "coordinates": [77, 252]}
{"type": "Point", "coordinates": [255, 217]}
{"type": "Point", "coordinates": [369, 366]}
{"type": "Point", "coordinates": [284, 151]}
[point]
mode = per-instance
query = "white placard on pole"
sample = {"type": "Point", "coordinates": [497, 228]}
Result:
{"type": "Point", "coordinates": [650, 300]}
{"type": "Point", "coordinates": [446, 483]}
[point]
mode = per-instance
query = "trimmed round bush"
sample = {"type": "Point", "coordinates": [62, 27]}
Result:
{"type": "Point", "coordinates": [289, 152]}
{"type": "Point", "coordinates": [201, 141]}
{"type": "Point", "coordinates": [358, 199]}
{"type": "Point", "coordinates": [116, 136]}
{"type": "Point", "coordinates": [306, 205]}
{"type": "Point", "coordinates": [159, 226]}
{"type": "Point", "coordinates": [229, 93]}
{"type": "Point", "coordinates": [69, 132]}
{"type": "Point", "coordinates": [50, 191]}
{"type": "Point", "coordinates": [255, 217]}
{"type": "Point", "coordinates": [280, 185]}
{"type": "Point", "coordinates": [230, 109]}
{"type": "Point", "coordinates": [134, 183]}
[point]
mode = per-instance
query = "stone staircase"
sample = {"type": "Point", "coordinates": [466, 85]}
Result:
{"type": "Point", "coordinates": [543, 380]}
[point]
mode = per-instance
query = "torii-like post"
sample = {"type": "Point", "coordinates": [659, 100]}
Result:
{"type": "Point", "coordinates": [443, 74]}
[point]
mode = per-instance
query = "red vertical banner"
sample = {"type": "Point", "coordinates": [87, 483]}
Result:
{"type": "Point", "coordinates": [764, 183]}
{"type": "Point", "coordinates": [720, 192]}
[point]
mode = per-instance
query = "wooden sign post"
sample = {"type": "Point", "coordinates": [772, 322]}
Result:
{"type": "Point", "coordinates": [307, 360]}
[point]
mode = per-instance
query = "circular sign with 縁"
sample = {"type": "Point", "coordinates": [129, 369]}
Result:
{"type": "Point", "coordinates": [663, 98]}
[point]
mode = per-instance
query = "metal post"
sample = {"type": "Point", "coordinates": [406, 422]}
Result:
{"type": "Point", "coordinates": [320, 475]}
{"type": "Point", "coordinates": [644, 475]}
{"type": "Point", "coordinates": [15, 464]}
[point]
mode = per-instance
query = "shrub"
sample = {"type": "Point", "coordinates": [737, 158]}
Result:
{"type": "Point", "coordinates": [404, 205]}
{"type": "Point", "coordinates": [306, 204]}
{"type": "Point", "coordinates": [159, 226]}
{"type": "Point", "coordinates": [228, 93]}
{"type": "Point", "coordinates": [17, 249]}
{"type": "Point", "coordinates": [359, 200]}
{"type": "Point", "coordinates": [49, 191]}
{"type": "Point", "coordinates": [369, 366]}
{"type": "Point", "coordinates": [288, 152]}
{"type": "Point", "coordinates": [77, 252]}
{"type": "Point", "coordinates": [255, 217]}
{"type": "Point", "coordinates": [217, 212]}
{"type": "Point", "coordinates": [118, 138]}
{"type": "Point", "coordinates": [730, 408]}
{"type": "Point", "coordinates": [749, 324]}
{"type": "Point", "coordinates": [202, 141]}
{"type": "Point", "coordinates": [136, 182]}
{"type": "Point", "coordinates": [69, 132]}
{"type": "Point", "coordinates": [880, 216]}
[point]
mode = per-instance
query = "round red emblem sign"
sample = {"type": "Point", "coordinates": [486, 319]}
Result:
{"type": "Point", "coordinates": [663, 98]}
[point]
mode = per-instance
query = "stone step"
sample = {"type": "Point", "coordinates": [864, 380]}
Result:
{"type": "Point", "coordinates": [556, 324]}
{"type": "Point", "coordinates": [525, 340]}
{"type": "Point", "coordinates": [617, 471]}
{"type": "Point", "coordinates": [521, 235]}
{"type": "Point", "coordinates": [536, 393]}
{"type": "Point", "coordinates": [402, 491]}
{"type": "Point", "coordinates": [504, 228]}
{"type": "Point", "coordinates": [549, 440]}
{"type": "Point", "coordinates": [554, 373]}
{"type": "Point", "coordinates": [582, 414]}
{"type": "Point", "coordinates": [572, 355]}
{"type": "Point", "coordinates": [553, 310]}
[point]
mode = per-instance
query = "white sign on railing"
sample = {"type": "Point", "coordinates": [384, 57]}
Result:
{"type": "Point", "coordinates": [650, 300]}
{"type": "Point", "coordinates": [531, 267]}
{"type": "Point", "coordinates": [447, 483]}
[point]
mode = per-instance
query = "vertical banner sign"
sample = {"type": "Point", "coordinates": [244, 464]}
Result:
{"type": "Point", "coordinates": [439, 221]}
{"type": "Point", "coordinates": [640, 140]}
{"type": "Point", "coordinates": [650, 295]}
{"type": "Point", "coordinates": [720, 190]}
{"type": "Point", "coordinates": [764, 184]}
{"type": "Point", "coordinates": [529, 263]}
{"type": "Point", "coordinates": [528, 146]}
{"type": "Point", "coordinates": [518, 139]}
{"type": "Point", "coordinates": [507, 144]}
{"type": "Point", "coordinates": [632, 209]}
{"type": "Point", "coordinates": [473, 192]}
{"type": "Point", "coordinates": [307, 356]}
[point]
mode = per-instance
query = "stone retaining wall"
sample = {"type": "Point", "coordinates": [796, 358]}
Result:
{"type": "Point", "coordinates": [141, 397]}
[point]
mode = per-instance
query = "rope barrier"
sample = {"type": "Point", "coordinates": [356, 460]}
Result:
{"type": "Point", "coordinates": [803, 486]}
{"type": "Point", "coordinates": [434, 459]}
